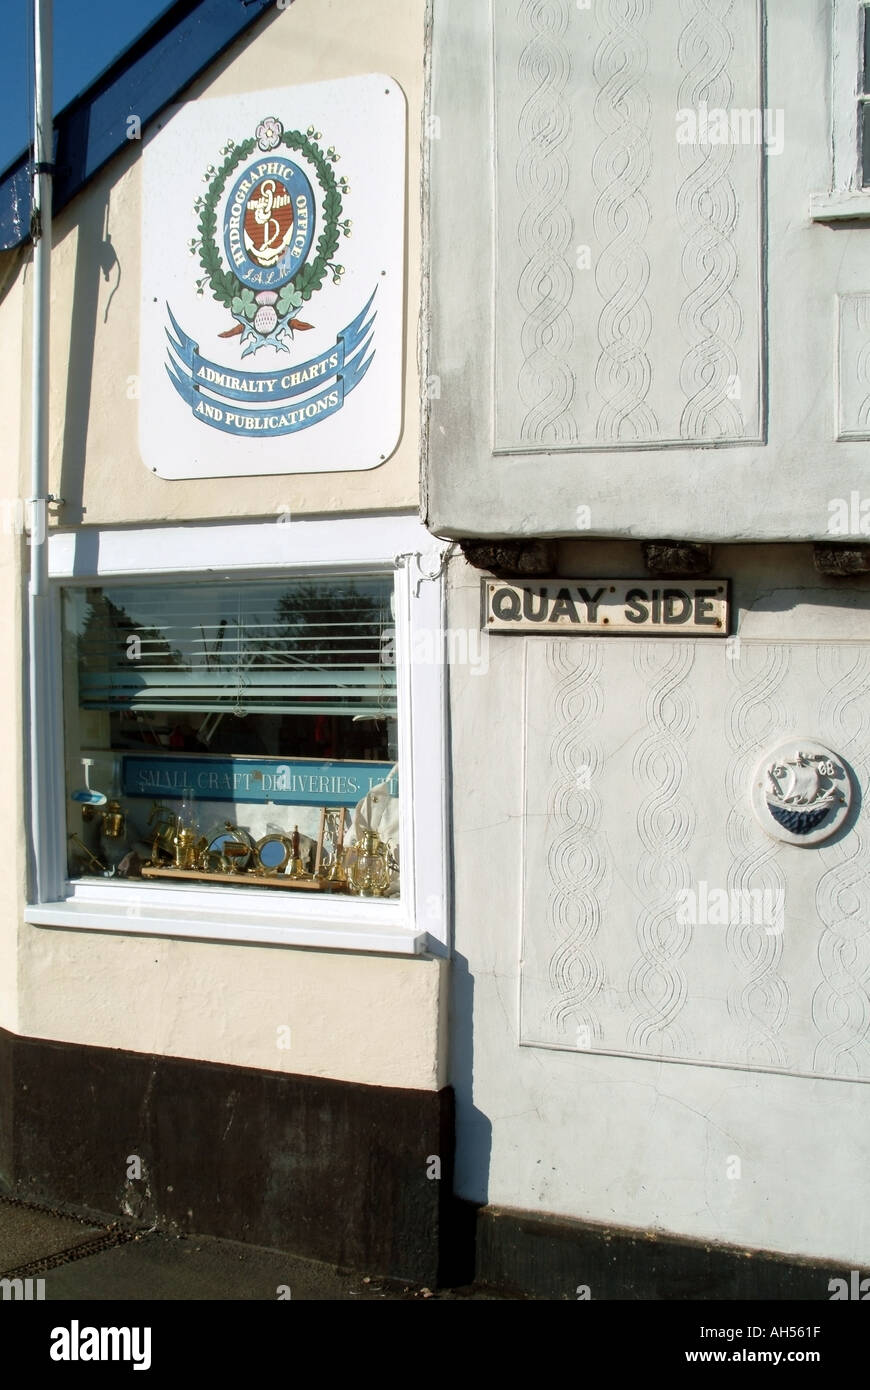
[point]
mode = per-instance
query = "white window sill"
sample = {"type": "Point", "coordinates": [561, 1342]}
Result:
{"type": "Point", "coordinates": [851, 205]}
{"type": "Point", "coordinates": [341, 924]}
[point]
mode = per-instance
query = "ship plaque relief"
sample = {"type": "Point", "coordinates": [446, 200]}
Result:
{"type": "Point", "coordinates": [801, 792]}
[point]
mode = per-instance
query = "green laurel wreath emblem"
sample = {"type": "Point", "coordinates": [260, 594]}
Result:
{"type": "Point", "coordinates": [224, 284]}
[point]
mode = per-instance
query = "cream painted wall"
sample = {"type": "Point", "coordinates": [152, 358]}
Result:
{"type": "Point", "coordinates": [645, 1142]}
{"type": "Point", "coordinates": [95, 462]}
{"type": "Point", "coordinates": [369, 1019]}
{"type": "Point", "coordinates": [14, 554]}
{"type": "Point", "coordinates": [376, 1020]}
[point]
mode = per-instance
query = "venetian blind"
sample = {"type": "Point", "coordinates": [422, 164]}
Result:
{"type": "Point", "coordinates": [312, 646]}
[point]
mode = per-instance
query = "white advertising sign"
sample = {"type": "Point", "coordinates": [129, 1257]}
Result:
{"type": "Point", "coordinates": [273, 282]}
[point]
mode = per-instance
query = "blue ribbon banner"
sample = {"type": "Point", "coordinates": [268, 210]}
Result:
{"type": "Point", "coordinates": [293, 405]}
{"type": "Point", "coordinates": [292, 782]}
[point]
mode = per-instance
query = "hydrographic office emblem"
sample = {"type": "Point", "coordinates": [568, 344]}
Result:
{"type": "Point", "coordinates": [257, 226]}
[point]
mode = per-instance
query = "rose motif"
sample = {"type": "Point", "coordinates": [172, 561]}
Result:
{"type": "Point", "coordinates": [269, 132]}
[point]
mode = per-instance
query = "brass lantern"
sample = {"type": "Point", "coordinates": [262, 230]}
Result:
{"type": "Point", "coordinates": [368, 871]}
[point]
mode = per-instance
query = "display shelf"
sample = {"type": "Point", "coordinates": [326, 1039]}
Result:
{"type": "Point", "coordinates": [246, 879]}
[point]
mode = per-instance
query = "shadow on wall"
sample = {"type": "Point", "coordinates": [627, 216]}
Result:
{"type": "Point", "coordinates": [473, 1128]}
{"type": "Point", "coordinates": [96, 260]}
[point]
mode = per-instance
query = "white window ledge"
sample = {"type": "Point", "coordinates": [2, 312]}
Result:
{"type": "Point", "coordinates": [366, 926]}
{"type": "Point", "coordinates": [853, 205]}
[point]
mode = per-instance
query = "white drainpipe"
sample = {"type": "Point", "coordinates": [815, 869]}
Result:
{"type": "Point", "coordinates": [44, 158]}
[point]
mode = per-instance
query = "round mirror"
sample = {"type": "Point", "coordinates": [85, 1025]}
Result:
{"type": "Point", "coordinates": [273, 851]}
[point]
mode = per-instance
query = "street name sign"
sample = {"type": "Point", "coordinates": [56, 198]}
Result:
{"type": "Point", "coordinates": [607, 607]}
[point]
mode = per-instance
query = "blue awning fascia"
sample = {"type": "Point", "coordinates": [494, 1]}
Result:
{"type": "Point", "coordinates": [146, 78]}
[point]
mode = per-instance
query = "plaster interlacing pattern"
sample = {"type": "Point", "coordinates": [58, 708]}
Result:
{"type": "Point", "coordinates": [620, 170]}
{"type": "Point", "coordinates": [707, 208]}
{"type": "Point", "coordinates": [640, 761]}
{"type": "Point", "coordinates": [841, 1003]}
{"type": "Point", "coordinates": [862, 364]}
{"type": "Point", "coordinates": [578, 869]}
{"type": "Point", "coordinates": [627, 307]}
{"type": "Point", "coordinates": [545, 230]}
{"type": "Point", "coordinates": [853, 366]}
{"type": "Point", "coordinates": [758, 996]}
{"type": "Point", "coordinates": [665, 820]}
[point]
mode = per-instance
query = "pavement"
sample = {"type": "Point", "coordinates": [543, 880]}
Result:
{"type": "Point", "coordinates": [90, 1258]}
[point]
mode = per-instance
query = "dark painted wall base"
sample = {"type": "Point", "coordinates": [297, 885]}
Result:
{"type": "Point", "coordinates": [552, 1257]}
{"type": "Point", "coordinates": [324, 1169]}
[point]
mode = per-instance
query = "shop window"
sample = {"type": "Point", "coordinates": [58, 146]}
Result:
{"type": "Point", "coordinates": [287, 679]}
{"type": "Point", "coordinates": [234, 733]}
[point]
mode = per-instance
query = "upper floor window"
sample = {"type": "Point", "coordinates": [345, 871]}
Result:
{"type": "Point", "coordinates": [848, 196]}
{"type": "Point", "coordinates": [863, 113]}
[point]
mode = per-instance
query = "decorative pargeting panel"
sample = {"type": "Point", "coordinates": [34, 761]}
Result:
{"type": "Point", "coordinates": [853, 366]}
{"type": "Point", "coordinates": [659, 919]}
{"type": "Point", "coordinates": [629, 144]}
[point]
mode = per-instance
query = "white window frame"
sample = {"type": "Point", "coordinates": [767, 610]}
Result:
{"type": "Point", "coordinates": [415, 922]}
{"type": "Point", "coordinates": [846, 199]}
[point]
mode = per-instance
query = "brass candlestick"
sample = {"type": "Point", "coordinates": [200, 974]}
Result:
{"type": "Point", "coordinates": [336, 874]}
{"type": "Point", "coordinates": [297, 869]}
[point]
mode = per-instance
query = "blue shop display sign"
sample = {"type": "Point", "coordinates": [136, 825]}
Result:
{"type": "Point", "coordinates": [291, 782]}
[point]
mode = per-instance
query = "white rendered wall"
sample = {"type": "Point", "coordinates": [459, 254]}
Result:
{"type": "Point", "coordinates": [548, 1119]}
{"type": "Point", "coordinates": [665, 339]}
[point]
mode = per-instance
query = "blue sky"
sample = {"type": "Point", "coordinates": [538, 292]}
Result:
{"type": "Point", "coordinates": [88, 36]}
